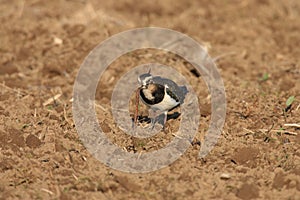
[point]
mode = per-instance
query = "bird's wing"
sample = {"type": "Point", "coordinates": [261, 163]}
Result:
{"type": "Point", "coordinates": [178, 91]}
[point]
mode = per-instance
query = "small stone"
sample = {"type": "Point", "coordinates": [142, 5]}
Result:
{"type": "Point", "coordinates": [225, 176]}
{"type": "Point", "coordinates": [57, 40]}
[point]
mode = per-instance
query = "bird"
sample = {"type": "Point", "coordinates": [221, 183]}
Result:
{"type": "Point", "coordinates": [160, 95]}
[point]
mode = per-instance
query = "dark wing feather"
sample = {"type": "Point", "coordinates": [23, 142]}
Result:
{"type": "Point", "coordinates": [178, 91]}
{"type": "Point", "coordinates": [172, 95]}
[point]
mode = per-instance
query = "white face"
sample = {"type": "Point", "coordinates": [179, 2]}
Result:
{"type": "Point", "coordinates": [144, 80]}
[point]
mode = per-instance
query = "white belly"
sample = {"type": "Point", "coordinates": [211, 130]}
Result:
{"type": "Point", "coordinates": [166, 104]}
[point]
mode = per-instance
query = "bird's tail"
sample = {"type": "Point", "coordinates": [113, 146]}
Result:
{"type": "Point", "coordinates": [184, 92]}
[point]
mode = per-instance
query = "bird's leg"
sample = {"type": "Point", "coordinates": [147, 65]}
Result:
{"type": "Point", "coordinates": [152, 117]}
{"type": "Point", "coordinates": [165, 119]}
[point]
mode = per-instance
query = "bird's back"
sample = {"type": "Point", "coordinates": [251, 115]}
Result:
{"type": "Point", "coordinates": [179, 91]}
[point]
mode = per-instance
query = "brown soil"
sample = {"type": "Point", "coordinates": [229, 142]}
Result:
{"type": "Point", "coordinates": [42, 46]}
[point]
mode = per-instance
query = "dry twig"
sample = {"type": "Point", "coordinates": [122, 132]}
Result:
{"type": "Point", "coordinates": [52, 99]}
{"type": "Point", "coordinates": [293, 125]}
{"type": "Point", "coordinates": [48, 191]}
{"type": "Point", "coordinates": [280, 131]}
{"type": "Point", "coordinates": [298, 107]}
{"type": "Point", "coordinates": [137, 98]}
{"type": "Point", "coordinates": [248, 130]}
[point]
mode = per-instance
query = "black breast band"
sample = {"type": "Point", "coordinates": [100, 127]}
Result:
{"type": "Point", "coordinates": [158, 95]}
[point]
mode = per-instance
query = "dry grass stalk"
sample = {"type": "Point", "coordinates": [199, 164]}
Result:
{"type": "Point", "coordinates": [293, 125]}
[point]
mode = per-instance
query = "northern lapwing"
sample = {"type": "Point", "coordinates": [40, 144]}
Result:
{"type": "Point", "coordinates": [160, 95]}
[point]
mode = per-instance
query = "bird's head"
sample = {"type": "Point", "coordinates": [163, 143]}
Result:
{"type": "Point", "coordinates": [145, 79]}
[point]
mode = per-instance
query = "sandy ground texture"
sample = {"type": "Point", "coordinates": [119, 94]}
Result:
{"type": "Point", "coordinates": [42, 45]}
